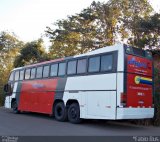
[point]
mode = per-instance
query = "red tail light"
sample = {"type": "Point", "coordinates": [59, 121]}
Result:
{"type": "Point", "coordinates": [123, 99]}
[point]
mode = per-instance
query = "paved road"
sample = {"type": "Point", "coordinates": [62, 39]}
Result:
{"type": "Point", "coordinates": [31, 124]}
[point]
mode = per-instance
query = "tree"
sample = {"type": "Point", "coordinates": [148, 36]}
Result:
{"type": "Point", "coordinates": [149, 32]}
{"type": "Point", "coordinates": [9, 49]}
{"type": "Point", "coordinates": [106, 20]}
{"type": "Point", "coordinates": [72, 36]}
{"type": "Point", "coordinates": [97, 26]}
{"type": "Point", "coordinates": [131, 13]}
{"type": "Point", "coordinates": [32, 52]}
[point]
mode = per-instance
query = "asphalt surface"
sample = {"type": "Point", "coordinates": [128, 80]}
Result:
{"type": "Point", "coordinates": [33, 124]}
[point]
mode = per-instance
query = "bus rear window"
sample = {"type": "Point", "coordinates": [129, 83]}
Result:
{"type": "Point", "coordinates": [138, 52]}
{"type": "Point", "coordinates": [148, 54]}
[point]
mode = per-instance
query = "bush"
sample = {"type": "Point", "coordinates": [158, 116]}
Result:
{"type": "Point", "coordinates": [156, 119]}
{"type": "Point", "coordinates": [1, 100]}
{"type": "Point", "coordinates": [2, 97]}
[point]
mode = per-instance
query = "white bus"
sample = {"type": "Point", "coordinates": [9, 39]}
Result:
{"type": "Point", "coordinates": [114, 82]}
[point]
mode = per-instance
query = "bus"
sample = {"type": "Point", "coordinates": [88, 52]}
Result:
{"type": "Point", "coordinates": [111, 83]}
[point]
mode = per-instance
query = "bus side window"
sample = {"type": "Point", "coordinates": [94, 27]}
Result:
{"type": "Point", "coordinates": [21, 75]}
{"type": "Point", "coordinates": [16, 75]}
{"type": "Point", "coordinates": [71, 69]}
{"type": "Point", "coordinates": [106, 62]}
{"type": "Point", "coordinates": [81, 66]}
{"type": "Point", "coordinates": [94, 64]}
{"type": "Point", "coordinates": [27, 73]}
{"type": "Point", "coordinates": [45, 71]}
{"type": "Point", "coordinates": [54, 70]}
{"type": "Point", "coordinates": [11, 78]}
{"type": "Point", "coordinates": [62, 69]}
{"type": "Point", "coordinates": [39, 72]}
{"type": "Point", "coordinates": [33, 73]}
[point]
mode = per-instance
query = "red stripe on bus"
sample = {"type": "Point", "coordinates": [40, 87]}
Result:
{"type": "Point", "coordinates": [38, 95]}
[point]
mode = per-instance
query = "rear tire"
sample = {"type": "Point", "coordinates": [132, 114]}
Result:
{"type": "Point", "coordinates": [60, 112]}
{"type": "Point", "coordinates": [15, 107]}
{"type": "Point", "coordinates": [74, 113]}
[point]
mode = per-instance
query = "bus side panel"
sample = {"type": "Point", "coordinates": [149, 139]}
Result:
{"type": "Point", "coordinates": [101, 105]}
{"type": "Point", "coordinates": [96, 95]}
{"type": "Point", "coordinates": [37, 95]}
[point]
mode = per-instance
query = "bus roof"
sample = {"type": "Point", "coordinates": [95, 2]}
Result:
{"type": "Point", "coordinates": [96, 51]}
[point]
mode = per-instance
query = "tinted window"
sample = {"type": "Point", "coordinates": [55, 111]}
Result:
{"type": "Point", "coordinates": [39, 72]}
{"type": "Point", "coordinates": [71, 67]}
{"type": "Point", "coordinates": [148, 54]}
{"type": "Point", "coordinates": [33, 73]}
{"type": "Point", "coordinates": [138, 52]}
{"type": "Point", "coordinates": [11, 78]}
{"type": "Point", "coordinates": [94, 64]}
{"type": "Point", "coordinates": [128, 49]}
{"type": "Point", "coordinates": [81, 66]}
{"type": "Point", "coordinates": [106, 62]}
{"type": "Point", "coordinates": [54, 70]}
{"type": "Point", "coordinates": [21, 75]}
{"type": "Point", "coordinates": [27, 73]}
{"type": "Point", "coordinates": [46, 71]}
{"type": "Point", "coordinates": [62, 67]}
{"type": "Point", "coordinates": [16, 75]}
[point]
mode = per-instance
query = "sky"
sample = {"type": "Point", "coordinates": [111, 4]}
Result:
{"type": "Point", "coordinates": [28, 18]}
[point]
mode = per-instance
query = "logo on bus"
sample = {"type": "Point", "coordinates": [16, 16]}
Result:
{"type": "Point", "coordinates": [38, 86]}
{"type": "Point", "coordinates": [143, 80]}
{"type": "Point", "coordinates": [137, 63]}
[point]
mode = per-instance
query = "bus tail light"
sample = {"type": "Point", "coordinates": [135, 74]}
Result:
{"type": "Point", "coordinates": [123, 99]}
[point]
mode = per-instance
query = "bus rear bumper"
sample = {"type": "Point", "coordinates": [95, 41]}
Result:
{"type": "Point", "coordinates": [135, 113]}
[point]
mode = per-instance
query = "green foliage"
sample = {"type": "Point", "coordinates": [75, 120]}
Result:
{"type": "Point", "coordinates": [131, 12]}
{"type": "Point", "coordinates": [156, 120]}
{"type": "Point", "coordinates": [148, 31]}
{"type": "Point", "coordinates": [32, 52]}
{"type": "Point", "coordinates": [93, 28]}
{"type": "Point", "coordinates": [9, 49]}
{"type": "Point", "coordinates": [99, 25]}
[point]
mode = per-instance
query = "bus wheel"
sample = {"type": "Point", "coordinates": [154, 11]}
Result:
{"type": "Point", "coordinates": [15, 107]}
{"type": "Point", "coordinates": [74, 113]}
{"type": "Point", "coordinates": [60, 112]}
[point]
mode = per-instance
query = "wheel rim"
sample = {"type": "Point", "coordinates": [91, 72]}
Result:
{"type": "Point", "coordinates": [73, 113]}
{"type": "Point", "coordinates": [15, 107]}
{"type": "Point", "coordinates": [59, 111]}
